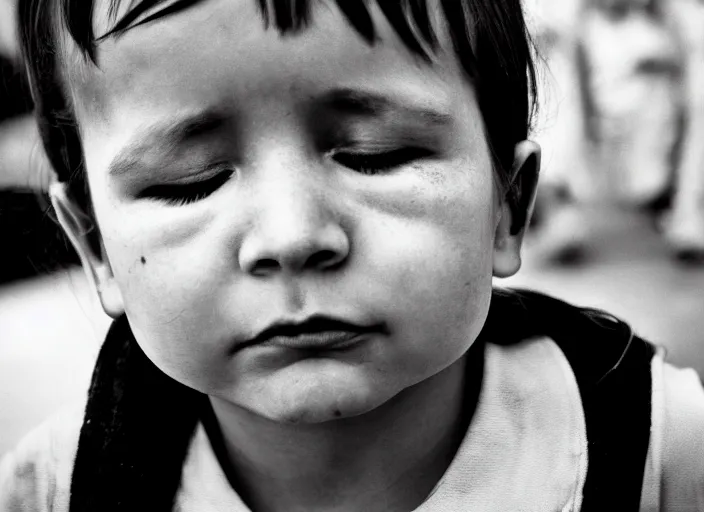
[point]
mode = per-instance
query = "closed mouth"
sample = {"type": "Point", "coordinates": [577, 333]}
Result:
{"type": "Point", "coordinates": [327, 340]}
{"type": "Point", "coordinates": [315, 333]}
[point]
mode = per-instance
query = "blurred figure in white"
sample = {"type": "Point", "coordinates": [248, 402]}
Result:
{"type": "Point", "coordinates": [684, 226]}
{"type": "Point", "coordinates": [561, 127]}
{"type": "Point", "coordinates": [623, 116]}
{"type": "Point", "coordinates": [634, 67]}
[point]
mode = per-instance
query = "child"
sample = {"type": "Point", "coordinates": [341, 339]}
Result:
{"type": "Point", "coordinates": [293, 211]}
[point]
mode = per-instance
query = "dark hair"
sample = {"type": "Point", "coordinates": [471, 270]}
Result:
{"type": "Point", "coordinates": [489, 37]}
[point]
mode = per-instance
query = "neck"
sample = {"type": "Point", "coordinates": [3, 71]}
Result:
{"type": "Point", "coordinates": [388, 459]}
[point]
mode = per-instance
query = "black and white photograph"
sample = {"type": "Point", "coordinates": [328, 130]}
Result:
{"type": "Point", "coordinates": [352, 255]}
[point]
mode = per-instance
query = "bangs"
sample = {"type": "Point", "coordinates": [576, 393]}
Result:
{"type": "Point", "coordinates": [410, 19]}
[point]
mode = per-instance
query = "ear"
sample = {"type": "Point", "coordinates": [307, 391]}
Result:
{"type": "Point", "coordinates": [78, 226]}
{"type": "Point", "coordinates": [515, 209]}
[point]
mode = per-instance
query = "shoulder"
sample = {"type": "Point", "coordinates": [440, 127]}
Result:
{"type": "Point", "coordinates": [678, 434]}
{"type": "Point", "coordinates": [36, 475]}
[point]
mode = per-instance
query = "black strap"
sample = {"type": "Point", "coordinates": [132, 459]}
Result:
{"type": "Point", "coordinates": [618, 412]}
{"type": "Point", "coordinates": [136, 432]}
{"type": "Point", "coordinates": [612, 369]}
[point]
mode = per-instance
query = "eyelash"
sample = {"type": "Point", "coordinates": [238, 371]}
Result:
{"type": "Point", "coordinates": [186, 193]}
{"type": "Point", "coordinates": [364, 163]}
{"type": "Point", "coordinates": [376, 163]}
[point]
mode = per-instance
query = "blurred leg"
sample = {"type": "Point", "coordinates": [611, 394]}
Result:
{"type": "Point", "coordinates": [633, 61]}
{"type": "Point", "coordinates": [653, 133]}
{"type": "Point", "coordinates": [685, 226]}
{"type": "Point", "coordinates": [560, 130]}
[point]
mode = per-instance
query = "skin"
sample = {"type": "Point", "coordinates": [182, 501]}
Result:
{"type": "Point", "coordinates": [293, 233]}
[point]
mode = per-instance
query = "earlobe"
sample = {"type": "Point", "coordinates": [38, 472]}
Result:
{"type": "Point", "coordinates": [78, 226]}
{"type": "Point", "coordinates": [516, 208]}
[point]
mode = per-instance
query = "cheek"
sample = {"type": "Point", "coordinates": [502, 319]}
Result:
{"type": "Point", "coordinates": [464, 272]}
{"type": "Point", "coordinates": [445, 287]}
{"type": "Point", "coordinates": [173, 278]}
{"type": "Point", "coordinates": [447, 245]}
{"type": "Point", "coordinates": [169, 301]}
{"type": "Point", "coordinates": [434, 272]}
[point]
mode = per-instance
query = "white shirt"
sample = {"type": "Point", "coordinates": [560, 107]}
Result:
{"type": "Point", "coordinates": [525, 449]}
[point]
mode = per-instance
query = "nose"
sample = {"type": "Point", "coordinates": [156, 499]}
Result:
{"type": "Point", "coordinates": [295, 229]}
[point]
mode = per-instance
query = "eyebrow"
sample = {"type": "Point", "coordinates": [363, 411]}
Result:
{"type": "Point", "coordinates": [168, 134]}
{"type": "Point", "coordinates": [371, 104]}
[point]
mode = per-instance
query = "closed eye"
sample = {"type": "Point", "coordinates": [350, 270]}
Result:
{"type": "Point", "coordinates": [379, 162]}
{"type": "Point", "coordinates": [179, 194]}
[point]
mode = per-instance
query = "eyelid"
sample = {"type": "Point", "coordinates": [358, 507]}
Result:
{"type": "Point", "coordinates": [413, 151]}
{"type": "Point", "coordinates": [202, 174]}
{"type": "Point", "coordinates": [178, 192]}
{"type": "Point", "coordinates": [377, 162]}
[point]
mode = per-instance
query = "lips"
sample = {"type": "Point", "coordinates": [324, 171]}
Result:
{"type": "Point", "coordinates": [330, 340]}
{"type": "Point", "coordinates": [315, 333]}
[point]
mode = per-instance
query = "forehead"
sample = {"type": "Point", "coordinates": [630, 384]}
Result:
{"type": "Point", "coordinates": [423, 15]}
{"type": "Point", "coordinates": [210, 21]}
{"type": "Point", "coordinates": [219, 53]}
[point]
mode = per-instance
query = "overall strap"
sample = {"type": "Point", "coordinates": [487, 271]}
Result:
{"type": "Point", "coordinates": [618, 416]}
{"type": "Point", "coordinates": [612, 369]}
{"type": "Point", "coordinates": [136, 432]}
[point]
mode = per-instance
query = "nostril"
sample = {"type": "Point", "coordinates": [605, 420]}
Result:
{"type": "Point", "coordinates": [305, 249]}
{"type": "Point", "coordinates": [322, 259]}
{"type": "Point", "coordinates": [265, 265]}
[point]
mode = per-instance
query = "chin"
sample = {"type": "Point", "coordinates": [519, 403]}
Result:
{"type": "Point", "coordinates": [318, 400]}
{"type": "Point", "coordinates": [315, 415]}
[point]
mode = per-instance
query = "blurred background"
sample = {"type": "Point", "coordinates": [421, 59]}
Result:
{"type": "Point", "coordinates": [618, 224]}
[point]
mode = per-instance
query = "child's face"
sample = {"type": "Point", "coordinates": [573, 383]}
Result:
{"type": "Point", "coordinates": [301, 227]}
